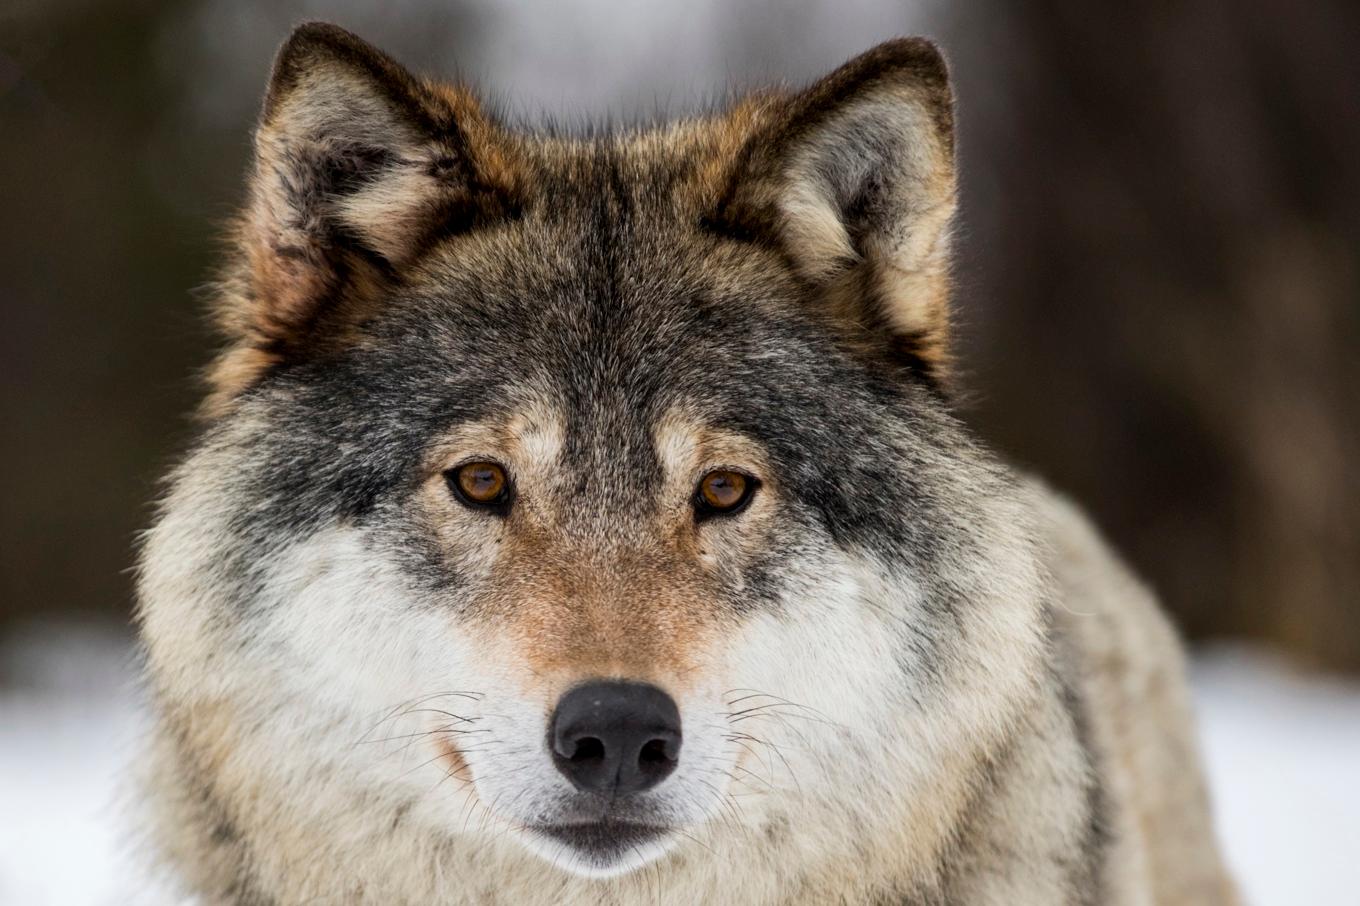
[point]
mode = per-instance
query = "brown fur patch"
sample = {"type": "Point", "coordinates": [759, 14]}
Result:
{"type": "Point", "coordinates": [635, 616]}
{"type": "Point", "coordinates": [455, 764]}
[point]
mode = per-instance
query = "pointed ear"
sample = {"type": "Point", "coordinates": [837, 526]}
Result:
{"type": "Point", "coordinates": [854, 179]}
{"type": "Point", "coordinates": [358, 167]}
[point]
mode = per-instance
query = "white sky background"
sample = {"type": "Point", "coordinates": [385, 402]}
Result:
{"type": "Point", "coordinates": [1283, 751]}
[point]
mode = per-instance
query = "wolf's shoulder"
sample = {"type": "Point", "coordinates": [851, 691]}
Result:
{"type": "Point", "coordinates": [1126, 664]}
{"type": "Point", "coordinates": [1100, 605]}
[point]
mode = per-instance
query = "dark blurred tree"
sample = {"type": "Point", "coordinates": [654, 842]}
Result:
{"type": "Point", "coordinates": [1162, 274]}
{"type": "Point", "coordinates": [94, 363]}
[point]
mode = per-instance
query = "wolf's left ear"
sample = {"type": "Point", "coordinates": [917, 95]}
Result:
{"type": "Point", "coordinates": [359, 166]}
{"type": "Point", "coordinates": [854, 178]}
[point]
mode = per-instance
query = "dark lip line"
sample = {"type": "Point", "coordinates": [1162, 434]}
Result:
{"type": "Point", "coordinates": [644, 826]}
{"type": "Point", "coordinates": [595, 822]}
{"type": "Point", "coordinates": [606, 834]}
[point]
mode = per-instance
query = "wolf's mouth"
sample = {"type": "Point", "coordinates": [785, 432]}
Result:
{"type": "Point", "coordinates": [604, 842]}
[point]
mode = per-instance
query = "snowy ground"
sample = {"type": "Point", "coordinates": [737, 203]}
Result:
{"type": "Point", "coordinates": [1283, 752]}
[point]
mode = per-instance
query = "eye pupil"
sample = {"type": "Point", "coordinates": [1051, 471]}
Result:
{"type": "Point", "coordinates": [481, 483]}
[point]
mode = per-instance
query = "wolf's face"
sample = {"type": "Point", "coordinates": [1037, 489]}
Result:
{"type": "Point", "coordinates": [595, 493]}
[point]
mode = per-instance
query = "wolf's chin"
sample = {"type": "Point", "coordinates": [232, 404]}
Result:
{"type": "Point", "coordinates": [605, 849]}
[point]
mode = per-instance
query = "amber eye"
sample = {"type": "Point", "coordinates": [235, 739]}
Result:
{"type": "Point", "coordinates": [483, 485]}
{"type": "Point", "coordinates": [722, 492]}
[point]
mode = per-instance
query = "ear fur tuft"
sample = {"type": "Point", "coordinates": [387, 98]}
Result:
{"type": "Point", "coordinates": [358, 166]}
{"type": "Point", "coordinates": [855, 178]}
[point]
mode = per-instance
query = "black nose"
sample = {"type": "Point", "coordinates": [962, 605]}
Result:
{"type": "Point", "coordinates": [615, 737]}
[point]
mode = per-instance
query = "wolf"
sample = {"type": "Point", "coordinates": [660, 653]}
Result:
{"type": "Point", "coordinates": [587, 518]}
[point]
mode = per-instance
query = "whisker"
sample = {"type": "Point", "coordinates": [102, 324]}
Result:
{"type": "Point", "coordinates": [435, 731]}
{"type": "Point", "coordinates": [777, 751]}
{"type": "Point", "coordinates": [405, 707]}
{"type": "Point", "coordinates": [778, 701]}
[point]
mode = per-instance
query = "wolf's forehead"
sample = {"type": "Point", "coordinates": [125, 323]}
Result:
{"type": "Point", "coordinates": [671, 162]}
{"type": "Point", "coordinates": [608, 309]}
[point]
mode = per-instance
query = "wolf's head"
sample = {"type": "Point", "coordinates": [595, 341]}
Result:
{"type": "Point", "coordinates": [601, 491]}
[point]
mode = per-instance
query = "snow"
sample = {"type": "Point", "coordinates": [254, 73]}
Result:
{"type": "Point", "coordinates": [1282, 747]}
{"type": "Point", "coordinates": [1283, 753]}
{"type": "Point", "coordinates": [69, 725]}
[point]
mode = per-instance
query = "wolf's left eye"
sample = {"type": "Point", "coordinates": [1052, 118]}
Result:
{"type": "Point", "coordinates": [723, 492]}
{"type": "Point", "coordinates": [481, 485]}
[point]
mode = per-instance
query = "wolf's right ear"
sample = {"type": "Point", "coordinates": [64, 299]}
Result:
{"type": "Point", "coordinates": [358, 166]}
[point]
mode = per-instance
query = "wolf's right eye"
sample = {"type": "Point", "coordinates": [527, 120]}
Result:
{"type": "Point", "coordinates": [480, 485]}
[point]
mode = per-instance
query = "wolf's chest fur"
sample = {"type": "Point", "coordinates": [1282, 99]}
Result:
{"type": "Point", "coordinates": [586, 520]}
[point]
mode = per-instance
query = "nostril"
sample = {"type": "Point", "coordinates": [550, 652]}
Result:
{"type": "Point", "coordinates": [588, 749]}
{"type": "Point", "coordinates": [656, 753]}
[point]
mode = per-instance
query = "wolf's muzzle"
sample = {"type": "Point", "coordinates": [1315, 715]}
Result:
{"type": "Point", "coordinates": [615, 738]}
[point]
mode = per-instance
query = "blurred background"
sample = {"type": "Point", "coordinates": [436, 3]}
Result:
{"type": "Point", "coordinates": [1158, 288]}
